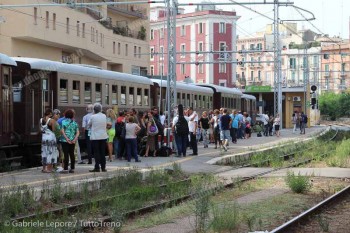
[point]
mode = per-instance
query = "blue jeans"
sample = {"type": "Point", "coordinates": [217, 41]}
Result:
{"type": "Point", "coordinates": [131, 148]}
{"type": "Point", "coordinates": [233, 132]}
{"type": "Point", "coordinates": [181, 144]}
{"type": "Point", "coordinates": [116, 146]}
{"type": "Point", "coordinates": [88, 146]}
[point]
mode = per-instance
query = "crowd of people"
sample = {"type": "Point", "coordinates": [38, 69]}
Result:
{"type": "Point", "coordinates": [120, 135]}
{"type": "Point", "coordinates": [131, 134]}
{"type": "Point", "coordinates": [272, 124]}
{"type": "Point", "coordinates": [217, 127]}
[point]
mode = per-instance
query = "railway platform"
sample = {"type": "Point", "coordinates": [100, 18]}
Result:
{"type": "Point", "coordinates": [205, 162]}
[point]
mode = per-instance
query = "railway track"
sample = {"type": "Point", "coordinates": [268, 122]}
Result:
{"type": "Point", "coordinates": [304, 217]}
{"type": "Point", "coordinates": [287, 156]}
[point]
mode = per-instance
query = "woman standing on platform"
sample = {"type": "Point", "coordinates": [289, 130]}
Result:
{"type": "Point", "coordinates": [131, 130]}
{"type": "Point", "coordinates": [49, 152]}
{"type": "Point", "coordinates": [277, 123]}
{"type": "Point", "coordinates": [294, 122]}
{"type": "Point", "coordinates": [204, 125]}
{"type": "Point", "coordinates": [70, 133]}
{"type": "Point", "coordinates": [151, 136]}
{"type": "Point", "coordinates": [110, 132]}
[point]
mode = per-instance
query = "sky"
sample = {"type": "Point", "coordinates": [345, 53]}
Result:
{"type": "Point", "coordinates": [332, 16]}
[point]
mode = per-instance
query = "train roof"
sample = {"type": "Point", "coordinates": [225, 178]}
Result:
{"type": "Point", "coordinates": [6, 60]}
{"type": "Point", "coordinates": [246, 96]}
{"type": "Point", "coordinates": [41, 64]}
{"type": "Point", "coordinates": [184, 86]}
{"type": "Point", "coordinates": [221, 89]}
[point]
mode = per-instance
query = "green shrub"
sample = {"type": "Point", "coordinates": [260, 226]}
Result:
{"type": "Point", "coordinates": [225, 218]}
{"type": "Point", "coordinates": [299, 183]}
{"type": "Point", "coordinates": [341, 156]}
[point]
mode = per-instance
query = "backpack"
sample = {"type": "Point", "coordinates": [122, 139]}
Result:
{"type": "Point", "coordinates": [164, 151]}
{"type": "Point", "coordinates": [119, 127]}
{"type": "Point", "coordinates": [304, 118]}
{"type": "Point", "coordinates": [181, 126]}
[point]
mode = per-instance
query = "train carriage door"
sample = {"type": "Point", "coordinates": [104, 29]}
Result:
{"type": "Point", "coordinates": [46, 95]}
{"type": "Point", "coordinates": [6, 101]}
{"type": "Point", "coordinates": [40, 97]}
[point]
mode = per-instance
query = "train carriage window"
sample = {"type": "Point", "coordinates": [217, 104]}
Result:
{"type": "Point", "coordinates": [107, 94]}
{"type": "Point", "coordinates": [178, 98]}
{"type": "Point", "coordinates": [131, 96]}
{"type": "Point", "coordinates": [139, 97]}
{"type": "Point", "coordinates": [76, 92]}
{"type": "Point", "coordinates": [199, 101]}
{"type": "Point", "coordinates": [204, 104]}
{"type": "Point", "coordinates": [222, 102]}
{"type": "Point", "coordinates": [146, 97]}
{"type": "Point", "coordinates": [98, 92]}
{"type": "Point", "coordinates": [114, 94]}
{"type": "Point", "coordinates": [63, 91]}
{"type": "Point", "coordinates": [195, 102]}
{"type": "Point", "coordinates": [123, 95]}
{"type": "Point", "coordinates": [183, 99]}
{"type": "Point", "coordinates": [6, 78]}
{"type": "Point", "coordinates": [235, 103]}
{"type": "Point", "coordinates": [210, 103]}
{"type": "Point", "coordinates": [87, 93]}
{"type": "Point", "coordinates": [188, 100]}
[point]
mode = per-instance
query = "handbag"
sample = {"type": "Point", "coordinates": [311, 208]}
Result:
{"type": "Point", "coordinates": [153, 129]}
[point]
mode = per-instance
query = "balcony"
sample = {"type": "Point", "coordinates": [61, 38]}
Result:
{"type": "Point", "coordinates": [128, 10]}
{"type": "Point", "coordinates": [343, 74]}
{"type": "Point", "coordinates": [342, 87]}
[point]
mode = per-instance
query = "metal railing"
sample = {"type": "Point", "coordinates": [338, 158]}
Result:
{"type": "Point", "coordinates": [130, 9]}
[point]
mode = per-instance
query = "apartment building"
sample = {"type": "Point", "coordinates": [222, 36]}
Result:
{"type": "Point", "coordinates": [251, 52]}
{"type": "Point", "coordinates": [335, 68]}
{"type": "Point", "coordinates": [207, 31]}
{"type": "Point", "coordinates": [111, 37]}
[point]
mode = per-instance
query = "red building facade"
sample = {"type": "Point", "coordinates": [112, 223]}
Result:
{"type": "Point", "coordinates": [206, 31]}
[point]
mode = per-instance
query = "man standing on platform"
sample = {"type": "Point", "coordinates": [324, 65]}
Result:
{"type": "Point", "coordinates": [86, 131]}
{"type": "Point", "coordinates": [192, 126]}
{"type": "Point", "coordinates": [225, 120]}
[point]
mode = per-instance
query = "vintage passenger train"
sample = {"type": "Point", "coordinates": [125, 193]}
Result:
{"type": "Point", "coordinates": [30, 85]}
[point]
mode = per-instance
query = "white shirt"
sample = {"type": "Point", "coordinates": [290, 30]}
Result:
{"type": "Point", "coordinates": [130, 130]}
{"type": "Point", "coordinates": [192, 124]}
{"type": "Point", "coordinates": [162, 119]}
{"type": "Point", "coordinates": [265, 119]}
{"type": "Point", "coordinates": [215, 121]}
{"type": "Point", "coordinates": [86, 119]}
{"type": "Point", "coordinates": [98, 124]}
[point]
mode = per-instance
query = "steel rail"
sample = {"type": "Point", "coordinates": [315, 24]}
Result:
{"type": "Point", "coordinates": [312, 210]}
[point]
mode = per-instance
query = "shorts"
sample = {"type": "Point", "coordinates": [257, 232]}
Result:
{"type": "Point", "coordinates": [225, 135]}
{"type": "Point", "coordinates": [111, 134]}
{"type": "Point", "coordinates": [277, 127]}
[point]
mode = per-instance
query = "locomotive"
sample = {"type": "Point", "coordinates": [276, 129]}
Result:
{"type": "Point", "coordinates": [31, 85]}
